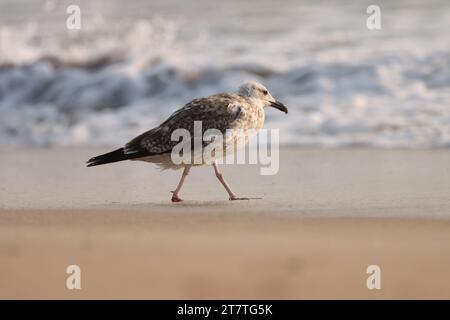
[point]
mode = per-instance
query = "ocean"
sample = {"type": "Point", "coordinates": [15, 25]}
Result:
{"type": "Point", "coordinates": [133, 63]}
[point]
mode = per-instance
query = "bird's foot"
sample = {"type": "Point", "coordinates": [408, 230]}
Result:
{"type": "Point", "coordinates": [175, 198]}
{"type": "Point", "coordinates": [232, 198]}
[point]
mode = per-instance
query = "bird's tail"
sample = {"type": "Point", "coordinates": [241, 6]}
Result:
{"type": "Point", "coordinates": [113, 156]}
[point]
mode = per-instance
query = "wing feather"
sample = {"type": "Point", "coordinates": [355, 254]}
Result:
{"type": "Point", "coordinates": [219, 112]}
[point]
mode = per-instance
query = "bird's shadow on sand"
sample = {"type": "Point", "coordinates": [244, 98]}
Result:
{"type": "Point", "coordinates": [192, 204]}
{"type": "Point", "coordinates": [170, 205]}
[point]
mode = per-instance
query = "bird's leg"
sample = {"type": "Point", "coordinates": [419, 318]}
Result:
{"type": "Point", "coordinates": [222, 180]}
{"type": "Point", "coordinates": [175, 197]}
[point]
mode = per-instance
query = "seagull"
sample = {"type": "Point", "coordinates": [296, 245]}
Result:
{"type": "Point", "coordinates": [240, 112]}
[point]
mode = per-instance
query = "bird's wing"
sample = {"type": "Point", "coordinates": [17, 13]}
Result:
{"type": "Point", "coordinates": [215, 112]}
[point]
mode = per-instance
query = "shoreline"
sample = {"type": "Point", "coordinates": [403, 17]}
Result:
{"type": "Point", "coordinates": [310, 182]}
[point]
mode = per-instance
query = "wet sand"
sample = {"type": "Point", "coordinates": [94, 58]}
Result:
{"type": "Point", "coordinates": [323, 219]}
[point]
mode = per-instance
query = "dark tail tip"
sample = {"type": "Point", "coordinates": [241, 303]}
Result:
{"type": "Point", "coordinates": [110, 157]}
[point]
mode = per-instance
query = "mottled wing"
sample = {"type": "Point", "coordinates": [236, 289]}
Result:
{"type": "Point", "coordinates": [215, 112]}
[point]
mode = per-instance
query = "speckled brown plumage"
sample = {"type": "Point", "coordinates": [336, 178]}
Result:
{"type": "Point", "coordinates": [242, 112]}
{"type": "Point", "coordinates": [221, 111]}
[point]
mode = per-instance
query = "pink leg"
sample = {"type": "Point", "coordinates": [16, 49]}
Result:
{"type": "Point", "coordinates": [175, 197]}
{"type": "Point", "coordinates": [222, 180]}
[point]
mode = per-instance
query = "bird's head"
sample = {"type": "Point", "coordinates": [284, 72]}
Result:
{"type": "Point", "coordinates": [257, 91]}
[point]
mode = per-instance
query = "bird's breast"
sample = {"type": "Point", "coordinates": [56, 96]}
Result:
{"type": "Point", "coordinates": [252, 119]}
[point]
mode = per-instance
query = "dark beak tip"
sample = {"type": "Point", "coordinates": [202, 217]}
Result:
{"type": "Point", "coordinates": [280, 106]}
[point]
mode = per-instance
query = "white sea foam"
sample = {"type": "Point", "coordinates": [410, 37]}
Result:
{"type": "Point", "coordinates": [124, 73]}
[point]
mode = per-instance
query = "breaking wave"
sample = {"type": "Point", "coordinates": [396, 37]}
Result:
{"type": "Point", "coordinates": [106, 84]}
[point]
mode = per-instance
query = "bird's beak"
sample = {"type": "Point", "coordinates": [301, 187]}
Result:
{"type": "Point", "coordinates": [278, 105]}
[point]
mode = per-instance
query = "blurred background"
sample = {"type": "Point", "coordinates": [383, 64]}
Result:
{"type": "Point", "coordinates": [133, 63]}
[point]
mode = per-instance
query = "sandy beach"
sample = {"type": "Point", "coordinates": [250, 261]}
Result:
{"type": "Point", "coordinates": [325, 217]}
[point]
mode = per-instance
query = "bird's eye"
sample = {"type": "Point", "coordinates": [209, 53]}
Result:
{"type": "Point", "coordinates": [265, 92]}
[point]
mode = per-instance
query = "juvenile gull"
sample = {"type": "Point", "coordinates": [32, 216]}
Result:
{"type": "Point", "coordinates": [241, 112]}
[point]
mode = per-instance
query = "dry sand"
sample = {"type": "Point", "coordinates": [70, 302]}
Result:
{"type": "Point", "coordinates": [323, 219]}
